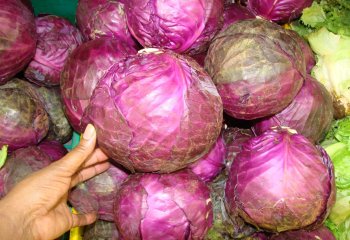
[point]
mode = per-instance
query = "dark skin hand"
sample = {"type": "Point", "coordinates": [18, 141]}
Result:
{"type": "Point", "coordinates": [36, 208]}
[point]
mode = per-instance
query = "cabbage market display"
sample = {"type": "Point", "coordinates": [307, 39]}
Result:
{"type": "Point", "coordinates": [221, 119]}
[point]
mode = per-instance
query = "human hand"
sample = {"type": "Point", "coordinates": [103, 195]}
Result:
{"type": "Point", "coordinates": [36, 208]}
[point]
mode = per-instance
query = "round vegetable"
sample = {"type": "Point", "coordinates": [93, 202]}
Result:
{"type": "Point", "coordinates": [83, 69]}
{"type": "Point", "coordinates": [310, 113]}
{"type": "Point", "coordinates": [235, 12]}
{"type": "Point", "coordinates": [17, 39]}
{"type": "Point", "coordinates": [321, 233]}
{"type": "Point", "coordinates": [156, 111]}
{"type": "Point", "coordinates": [257, 67]}
{"type": "Point", "coordinates": [23, 119]}
{"type": "Point", "coordinates": [98, 193]}
{"type": "Point", "coordinates": [57, 38]}
{"type": "Point", "coordinates": [210, 165]}
{"type": "Point", "coordinates": [179, 25]}
{"type": "Point", "coordinates": [54, 149]}
{"type": "Point", "coordinates": [98, 18]}
{"type": "Point", "coordinates": [163, 206]}
{"type": "Point", "coordinates": [281, 11]}
{"type": "Point", "coordinates": [280, 181]}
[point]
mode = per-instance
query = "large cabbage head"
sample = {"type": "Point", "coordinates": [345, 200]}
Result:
{"type": "Point", "coordinates": [234, 12]}
{"type": "Point", "coordinates": [178, 25]}
{"type": "Point", "coordinates": [17, 38]}
{"type": "Point", "coordinates": [83, 69]}
{"type": "Point", "coordinates": [98, 193]}
{"type": "Point", "coordinates": [281, 11]}
{"type": "Point", "coordinates": [321, 233]}
{"type": "Point", "coordinates": [257, 67]}
{"type": "Point", "coordinates": [23, 119]}
{"type": "Point", "coordinates": [103, 18]}
{"type": "Point", "coordinates": [310, 113]}
{"type": "Point", "coordinates": [156, 111]}
{"type": "Point", "coordinates": [163, 206]}
{"type": "Point", "coordinates": [20, 164]}
{"type": "Point", "coordinates": [280, 181]}
{"type": "Point", "coordinates": [57, 38]}
{"type": "Point", "coordinates": [210, 165]}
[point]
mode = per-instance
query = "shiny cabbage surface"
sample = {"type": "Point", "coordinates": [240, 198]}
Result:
{"type": "Point", "coordinates": [23, 119]}
{"type": "Point", "coordinates": [103, 18]}
{"type": "Point", "coordinates": [281, 11]}
{"type": "Point", "coordinates": [210, 165]}
{"type": "Point", "coordinates": [83, 69]}
{"type": "Point", "coordinates": [235, 12]}
{"type": "Point", "coordinates": [156, 111]}
{"type": "Point", "coordinates": [257, 67]}
{"type": "Point", "coordinates": [280, 181]}
{"type": "Point", "coordinates": [98, 193]}
{"type": "Point", "coordinates": [178, 25]}
{"type": "Point", "coordinates": [163, 206]}
{"type": "Point", "coordinates": [17, 38]}
{"type": "Point", "coordinates": [321, 233]}
{"type": "Point", "coordinates": [57, 38]}
{"type": "Point", "coordinates": [310, 113]}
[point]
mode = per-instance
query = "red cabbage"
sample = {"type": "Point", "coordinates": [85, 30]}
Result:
{"type": "Point", "coordinates": [235, 12]}
{"type": "Point", "coordinates": [54, 149]}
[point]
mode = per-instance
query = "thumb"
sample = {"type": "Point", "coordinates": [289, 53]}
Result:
{"type": "Point", "coordinates": [75, 159]}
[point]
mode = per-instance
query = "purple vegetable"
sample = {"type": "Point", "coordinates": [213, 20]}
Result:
{"type": "Point", "coordinates": [50, 98]}
{"type": "Point", "coordinates": [280, 181]}
{"type": "Point", "coordinates": [235, 12]}
{"type": "Point", "coordinates": [209, 166]}
{"type": "Point", "coordinates": [83, 69]}
{"type": "Point", "coordinates": [23, 119]}
{"type": "Point", "coordinates": [54, 149]}
{"type": "Point", "coordinates": [310, 113]}
{"type": "Point", "coordinates": [306, 49]}
{"type": "Point", "coordinates": [234, 140]}
{"type": "Point", "coordinates": [257, 67]}
{"type": "Point", "coordinates": [280, 11]}
{"type": "Point", "coordinates": [101, 230]}
{"type": "Point", "coordinates": [17, 38]}
{"type": "Point", "coordinates": [98, 193]}
{"type": "Point", "coordinates": [57, 39]}
{"type": "Point", "coordinates": [321, 233]}
{"type": "Point", "coordinates": [257, 236]}
{"type": "Point", "coordinates": [178, 25]}
{"type": "Point", "coordinates": [163, 206]}
{"type": "Point", "coordinates": [20, 164]}
{"type": "Point", "coordinates": [98, 18]}
{"type": "Point", "coordinates": [156, 111]}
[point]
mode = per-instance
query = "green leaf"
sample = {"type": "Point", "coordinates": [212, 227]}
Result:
{"type": "Point", "coordinates": [3, 155]}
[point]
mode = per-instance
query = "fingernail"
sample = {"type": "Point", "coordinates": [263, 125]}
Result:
{"type": "Point", "coordinates": [89, 132]}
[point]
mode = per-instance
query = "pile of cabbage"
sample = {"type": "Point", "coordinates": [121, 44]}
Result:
{"type": "Point", "coordinates": [218, 116]}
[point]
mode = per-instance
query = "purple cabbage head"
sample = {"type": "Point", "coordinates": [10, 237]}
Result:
{"type": "Point", "coordinates": [98, 193]}
{"type": "Point", "coordinates": [156, 111]}
{"type": "Point", "coordinates": [83, 69]}
{"type": "Point", "coordinates": [20, 164]}
{"type": "Point", "coordinates": [23, 119]}
{"type": "Point", "coordinates": [257, 67]}
{"type": "Point", "coordinates": [210, 165]}
{"type": "Point", "coordinates": [54, 149]}
{"type": "Point", "coordinates": [17, 39]}
{"type": "Point", "coordinates": [280, 181]}
{"type": "Point", "coordinates": [101, 230]}
{"type": "Point", "coordinates": [235, 12]}
{"type": "Point", "coordinates": [178, 25]}
{"type": "Point", "coordinates": [310, 113]}
{"type": "Point", "coordinates": [103, 18]}
{"type": "Point", "coordinates": [163, 206]}
{"type": "Point", "coordinates": [57, 38]}
{"type": "Point", "coordinates": [321, 233]}
{"type": "Point", "coordinates": [280, 11]}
